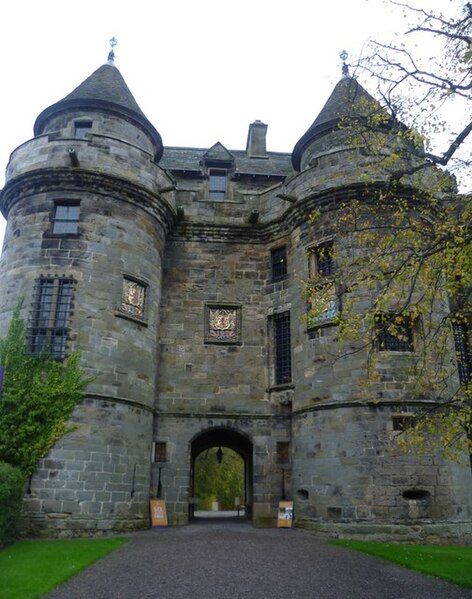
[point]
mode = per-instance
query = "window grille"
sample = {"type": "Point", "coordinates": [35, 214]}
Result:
{"type": "Point", "coordinates": [50, 317]}
{"type": "Point", "coordinates": [394, 333]}
{"type": "Point", "coordinates": [217, 184]}
{"type": "Point", "coordinates": [283, 360]}
{"type": "Point", "coordinates": [160, 452]}
{"type": "Point", "coordinates": [283, 455]}
{"type": "Point", "coordinates": [463, 354]}
{"type": "Point", "coordinates": [279, 263]}
{"type": "Point", "coordinates": [66, 219]}
{"type": "Point", "coordinates": [322, 260]}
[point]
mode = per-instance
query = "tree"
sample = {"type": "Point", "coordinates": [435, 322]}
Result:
{"type": "Point", "coordinates": [429, 90]}
{"type": "Point", "coordinates": [215, 481]}
{"type": "Point", "coordinates": [402, 251]}
{"type": "Point", "coordinates": [39, 395]}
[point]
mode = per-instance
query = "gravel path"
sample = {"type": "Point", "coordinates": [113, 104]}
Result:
{"type": "Point", "coordinates": [233, 560]}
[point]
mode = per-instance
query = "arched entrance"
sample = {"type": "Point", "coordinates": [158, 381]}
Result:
{"type": "Point", "coordinates": [224, 438]}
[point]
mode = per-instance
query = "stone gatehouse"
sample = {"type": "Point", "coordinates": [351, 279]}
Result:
{"type": "Point", "coordinates": [176, 272]}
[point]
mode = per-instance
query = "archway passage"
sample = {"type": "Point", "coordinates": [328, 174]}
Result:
{"type": "Point", "coordinates": [230, 451]}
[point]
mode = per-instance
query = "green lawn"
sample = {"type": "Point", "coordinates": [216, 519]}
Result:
{"type": "Point", "coordinates": [30, 569]}
{"type": "Point", "coordinates": [451, 563]}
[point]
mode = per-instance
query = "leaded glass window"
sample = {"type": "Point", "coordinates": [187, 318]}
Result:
{"type": "Point", "coordinates": [282, 347]}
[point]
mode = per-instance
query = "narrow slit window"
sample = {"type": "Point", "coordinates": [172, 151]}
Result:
{"type": "Point", "coordinates": [463, 354]}
{"type": "Point", "coordinates": [283, 359]}
{"type": "Point", "coordinates": [160, 452]}
{"type": "Point", "coordinates": [278, 259]}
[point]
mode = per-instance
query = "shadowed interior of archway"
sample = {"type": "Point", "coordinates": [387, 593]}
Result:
{"type": "Point", "coordinates": [208, 457]}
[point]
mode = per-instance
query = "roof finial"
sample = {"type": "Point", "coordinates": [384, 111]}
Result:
{"type": "Point", "coordinates": [111, 54]}
{"type": "Point", "coordinates": [344, 56]}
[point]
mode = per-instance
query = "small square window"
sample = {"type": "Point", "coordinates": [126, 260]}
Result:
{"type": "Point", "coordinates": [66, 219]}
{"type": "Point", "coordinates": [217, 183]}
{"type": "Point", "coordinates": [82, 128]}
{"type": "Point", "coordinates": [160, 452]}
{"type": "Point", "coordinates": [278, 259]}
{"type": "Point", "coordinates": [394, 332]}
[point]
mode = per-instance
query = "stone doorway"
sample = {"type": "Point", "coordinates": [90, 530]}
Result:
{"type": "Point", "coordinates": [215, 442]}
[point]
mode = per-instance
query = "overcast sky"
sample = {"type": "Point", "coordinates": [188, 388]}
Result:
{"type": "Point", "coordinates": [201, 70]}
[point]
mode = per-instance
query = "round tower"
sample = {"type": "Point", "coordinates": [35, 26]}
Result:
{"type": "Point", "coordinates": [348, 475]}
{"type": "Point", "coordinates": [86, 226]}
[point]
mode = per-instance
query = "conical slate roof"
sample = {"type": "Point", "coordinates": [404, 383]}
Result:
{"type": "Point", "coordinates": [106, 83]}
{"type": "Point", "coordinates": [348, 99]}
{"type": "Point", "coordinates": [105, 88]}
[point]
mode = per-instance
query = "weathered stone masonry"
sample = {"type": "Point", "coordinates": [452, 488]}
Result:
{"type": "Point", "coordinates": [168, 239]}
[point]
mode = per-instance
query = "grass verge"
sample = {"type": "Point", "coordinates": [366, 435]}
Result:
{"type": "Point", "coordinates": [450, 562]}
{"type": "Point", "coordinates": [30, 569]}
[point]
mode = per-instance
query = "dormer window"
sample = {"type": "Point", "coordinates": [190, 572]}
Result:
{"type": "Point", "coordinates": [82, 128]}
{"type": "Point", "coordinates": [218, 164]}
{"type": "Point", "coordinates": [217, 183]}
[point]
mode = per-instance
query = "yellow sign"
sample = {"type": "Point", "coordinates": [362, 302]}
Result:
{"type": "Point", "coordinates": [158, 512]}
{"type": "Point", "coordinates": [285, 514]}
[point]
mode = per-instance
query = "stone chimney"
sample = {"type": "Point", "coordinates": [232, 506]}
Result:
{"type": "Point", "coordinates": [256, 140]}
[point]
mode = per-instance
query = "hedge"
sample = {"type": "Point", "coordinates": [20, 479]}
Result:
{"type": "Point", "coordinates": [11, 495]}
